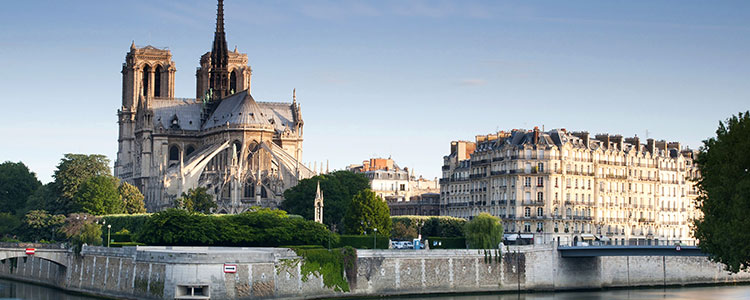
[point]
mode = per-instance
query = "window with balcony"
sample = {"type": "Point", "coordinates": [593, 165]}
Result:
{"type": "Point", "coordinates": [540, 197]}
{"type": "Point", "coordinates": [539, 212]}
{"type": "Point", "coordinates": [540, 181]}
{"type": "Point", "coordinates": [527, 182]}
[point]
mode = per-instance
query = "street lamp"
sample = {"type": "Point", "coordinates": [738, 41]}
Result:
{"type": "Point", "coordinates": [109, 229]}
{"type": "Point", "coordinates": [374, 238]}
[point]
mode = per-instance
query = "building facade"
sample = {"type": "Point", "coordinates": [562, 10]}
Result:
{"type": "Point", "coordinates": [570, 187]}
{"type": "Point", "coordinates": [427, 204]}
{"type": "Point", "coordinates": [389, 181]}
{"type": "Point", "coordinates": [246, 153]}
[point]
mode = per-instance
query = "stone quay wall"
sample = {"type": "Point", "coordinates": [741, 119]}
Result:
{"type": "Point", "coordinates": [262, 273]}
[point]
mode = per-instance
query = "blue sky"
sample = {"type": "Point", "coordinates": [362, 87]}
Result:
{"type": "Point", "coordinates": [386, 78]}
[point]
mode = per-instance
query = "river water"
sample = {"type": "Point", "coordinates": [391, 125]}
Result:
{"type": "Point", "coordinates": [25, 291]}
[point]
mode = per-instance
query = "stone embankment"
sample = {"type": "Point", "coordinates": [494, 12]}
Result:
{"type": "Point", "coordinates": [260, 273]}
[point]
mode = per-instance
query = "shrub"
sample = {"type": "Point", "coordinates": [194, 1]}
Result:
{"type": "Point", "coordinates": [263, 228]}
{"type": "Point", "coordinates": [125, 244]}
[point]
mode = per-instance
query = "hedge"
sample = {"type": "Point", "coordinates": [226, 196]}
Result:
{"type": "Point", "coordinates": [447, 243]}
{"type": "Point", "coordinates": [261, 228]}
{"type": "Point", "coordinates": [122, 221]}
{"type": "Point", "coordinates": [124, 244]}
{"type": "Point", "coordinates": [363, 241]}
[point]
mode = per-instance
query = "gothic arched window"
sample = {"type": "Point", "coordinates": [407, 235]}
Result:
{"type": "Point", "coordinates": [146, 74]}
{"type": "Point", "coordinates": [157, 81]}
{"type": "Point", "coordinates": [233, 82]}
{"type": "Point", "coordinates": [174, 153]}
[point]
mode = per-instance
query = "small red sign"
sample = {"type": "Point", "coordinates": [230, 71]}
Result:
{"type": "Point", "coordinates": [678, 248]}
{"type": "Point", "coordinates": [30, 251]}
{"type": "Point", "coordinates": [230, 268]}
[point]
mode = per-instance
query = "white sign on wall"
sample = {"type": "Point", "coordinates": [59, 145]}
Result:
{"type": "Point", "coordinates": [230, 268]}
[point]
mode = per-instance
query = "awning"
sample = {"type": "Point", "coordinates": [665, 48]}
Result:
{"type": "Point", "coordinates": [603, 238]}
{"type": "Point", "coordinates": [510, 237]}
{"type": "Point", "coordinates": [587, 236]}
{"type": "Point", "coordinates": [527, 236]}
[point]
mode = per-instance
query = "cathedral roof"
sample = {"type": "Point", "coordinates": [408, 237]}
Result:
{"type": "Point", "coordinates": [186, 112]}
{"type": "Point", "coordinates": [238, 109]}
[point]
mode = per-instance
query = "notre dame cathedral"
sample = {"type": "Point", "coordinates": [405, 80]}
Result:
{"type": "Point", "coordinates": [245, 152]}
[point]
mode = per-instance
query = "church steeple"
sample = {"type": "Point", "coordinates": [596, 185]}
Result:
{"type": "Point", "coordinates": [219, 75]}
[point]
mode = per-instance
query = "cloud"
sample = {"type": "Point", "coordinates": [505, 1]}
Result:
{"type": "Point", "coordinates": [472, 82]}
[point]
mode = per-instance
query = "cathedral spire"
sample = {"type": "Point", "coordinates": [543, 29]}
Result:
{"type": "Point", "coordinates": [219, 81]}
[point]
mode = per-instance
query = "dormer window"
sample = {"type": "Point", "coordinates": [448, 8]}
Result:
{"type": "Point", "coordinates": [175, 123]}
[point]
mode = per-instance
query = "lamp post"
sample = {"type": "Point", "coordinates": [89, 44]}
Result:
{"type": "Point", "coordinates": [374, 238]}
{"type": "Point", "coordinates": [109, 229]}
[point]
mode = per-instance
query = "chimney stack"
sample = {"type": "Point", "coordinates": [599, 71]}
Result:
{"type": "Point", "coordinates": [604, 138]}
{"type": "Point", "coordinates": [650, 145]}
{"type": "Point", "coordinates": [584, 136]}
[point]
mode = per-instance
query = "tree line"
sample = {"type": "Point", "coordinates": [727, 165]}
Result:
{"type": "Point", "coordinates": [83, 187]}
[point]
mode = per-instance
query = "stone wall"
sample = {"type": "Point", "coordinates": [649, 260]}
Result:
{"type": "Point", "coordinates": [158, 272]}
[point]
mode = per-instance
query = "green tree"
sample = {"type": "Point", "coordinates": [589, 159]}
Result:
{"type": "Point", "coordinates": [99, 196]}
{"type": "Point", "coordinates": [132, 198]}
{"type": "Point", "coordinates": [196, 200]}
{"type": "Point", "coordinates": [8, 223]}
{"type": "Point", "coordinates": [724, 199]}
{"type": "Point", "coordinates": [366, 212]}
{"type": "Point", "coordinates": [39, 225]}
{"type": "Point", "coordinates": [89, 234]}
{"type": "Point", "coordinates": [42, 199]}
{"type": "Point", "coordinates": [74, 170]}
{"type": "Point", "coordinates": [484, 232]}
{"type": "Point", "coordinates": [17, 183]}
{"type": "Point", "coordinates": [402, 231]}
{"type": "Point", "coordinates": [338, 189]}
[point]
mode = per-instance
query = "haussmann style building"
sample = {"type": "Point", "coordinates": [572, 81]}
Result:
{"type": "Point", "coordinates": [245, 152]}
{"type": "Point", "coordinates": [572, 188]}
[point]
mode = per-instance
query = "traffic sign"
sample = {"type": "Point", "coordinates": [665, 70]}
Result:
{"type": "Point", "coordinates": [677, 247]}
{"type": "Point", "coordinates": [30, 251]}
{"type": "Point", "coordinates": [230, 268]}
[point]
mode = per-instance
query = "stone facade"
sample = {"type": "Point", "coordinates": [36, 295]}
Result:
{"type": "Point", "coordinates": [264, 273]}
{"type": "Point", "coordinates": [427, 204]}
{"type": "Point", "coordinates": [389, 181]}
{"type": "Point", "coordinates": [246, 153]}
{"type": "Point", "coordinates": [570, 187]}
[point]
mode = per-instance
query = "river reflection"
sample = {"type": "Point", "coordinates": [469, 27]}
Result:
{"type": "Point", "coordinates": [25, 291]}
{"type": "Point", "coordinates": [741, 292]}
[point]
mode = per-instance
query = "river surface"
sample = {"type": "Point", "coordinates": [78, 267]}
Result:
{"type": "Point", "coordinates": [25, 291]}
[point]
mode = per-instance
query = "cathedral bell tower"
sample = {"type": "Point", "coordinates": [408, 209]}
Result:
{"type": "Point", "coordinates": [221, 72]}
{"type": "Point", "coordinates": [148, 72]}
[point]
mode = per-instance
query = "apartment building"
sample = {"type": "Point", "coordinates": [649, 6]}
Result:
{"type": "Point", "coordinates": [570, 187]}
